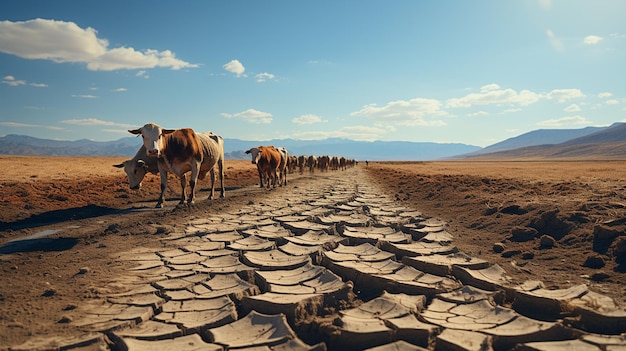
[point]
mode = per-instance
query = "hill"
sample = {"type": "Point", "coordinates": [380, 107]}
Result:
{"type": "Point", "coordinates": [235, 148]}
{"type": "Point", "coordinates": [591, 144]}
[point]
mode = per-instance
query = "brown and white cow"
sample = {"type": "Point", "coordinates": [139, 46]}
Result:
{"type": "Point", "coordinates": [181, 151]}
{"type": "Point", "coordinates": [282, 168]}
{"type": "Point", "coordinates": [137, 167]}
{"type": "Point", "coordinates": [267, 160]}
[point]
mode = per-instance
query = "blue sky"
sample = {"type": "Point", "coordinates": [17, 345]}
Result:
{"type": "Point", "coordinates": [448, 71]}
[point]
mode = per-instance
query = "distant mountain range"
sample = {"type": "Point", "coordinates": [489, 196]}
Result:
{"type": "Point", "coordinates": [585, 143]}
{"type": "Point", "coordinates": [235, 148]}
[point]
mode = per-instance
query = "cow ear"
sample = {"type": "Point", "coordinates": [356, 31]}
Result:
{"type": "Point", "coordinates": [248, 151]}
{"type": "Point", "coordinates": [121, 165]}
{"type": "Point", "coordinates": [168, 131]}
{"type": "Point", "coordinates": [135, 131]}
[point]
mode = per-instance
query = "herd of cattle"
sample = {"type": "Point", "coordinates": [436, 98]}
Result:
{"type": "Point", "coordinates": [180, 151]}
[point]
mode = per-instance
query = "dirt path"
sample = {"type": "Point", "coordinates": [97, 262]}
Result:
{"type": "Point", "coordinates": [330, 261]}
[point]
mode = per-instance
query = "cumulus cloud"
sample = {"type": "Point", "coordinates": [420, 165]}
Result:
{"type": "Point", "coordinates": [252, 116]}
{"type": "Point", "coordinates": [572, 108]}
{"type": "Point", "coordinates": [604, 95]}
{"type": "Point", "coordinates": [562, 95]}
{"type": "Point", "coordinates": [492, 94]}
{"type": "Point", "coordinates": [612, 102]}
{"type": "Point", "coordinates": [120, 90]}
{"type": "Point", "coordinates": [63, 42]}
{"type": "Point", "coordinates": [306, 119]}
{"type": "Point", "coordinates": [592, 39]}
{"type": "Point", "coordinates": [414, 112]}
{"type": "Point", "coordinates": [263, 77]}
{"type": "Point", "coordinates": [11, 81]}
{"type": "Point", "coordinates": [478, 114]}
{"type": "Point", "coordinates": [234, 66]}
{"type": "Point", "coordinates": [565, 122]}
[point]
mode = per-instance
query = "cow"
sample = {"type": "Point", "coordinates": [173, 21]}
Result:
{"type": "Point", "coordinates": [137, 167]}
{"type": "Point", "coordinates": [180, 151]}
{"type": "Point", "coordinates": [282, 168]}
{"type": "Point", "coordinates": [267, 160]}
{"type": "Point", "coordinates": [311, 162]}
{"type": "Point", "coordinates": [323, 163]}
{"type": "Point", "coordinates": [302, 163]}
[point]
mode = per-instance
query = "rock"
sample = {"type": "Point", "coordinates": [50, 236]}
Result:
{"type": "Point", "coordinates": [523, 234]}
{"type": "Point", "coordinates": [599, 276]}
{"type": "Point", "coordinates": [510, 253]}
{"type": "Point", "coordinates": [619, 250]}
{"type": "Point", "coordinates": [499, 247]}
{"type": "Point", "coordinates": [528, 255]}
{"type": "Point", "coordinates": [49, 292]}
{"type": "Point", "coordinates": [84, 270]}
{"type": "Point", "coordinates": [594, 262]}
{"type": "Point", "coordinates": [547, 242]}
{"type": "Point", "coordinates": [513, 209]}
{"type": "Point", "coordinates": [601, 232]}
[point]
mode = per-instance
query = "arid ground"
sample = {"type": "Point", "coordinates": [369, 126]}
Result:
{"type": "Point", "coordinates": [561, 222]}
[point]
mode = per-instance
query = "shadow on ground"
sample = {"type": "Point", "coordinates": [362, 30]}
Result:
{"type": "Point", "coordinates": [58, 216]}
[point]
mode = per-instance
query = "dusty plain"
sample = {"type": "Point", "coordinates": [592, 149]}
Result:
{"type": "Point", "coordinates": [561, 222]}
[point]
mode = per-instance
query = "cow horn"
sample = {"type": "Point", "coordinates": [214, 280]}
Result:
{"type": "Point", "coordinates": [135, 131]}
{"type": "Point", "coordinates": [121, 165]}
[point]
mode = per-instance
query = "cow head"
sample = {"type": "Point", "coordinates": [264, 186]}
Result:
{"type": "Point", "coordinates": [152, 141]}
{"type": "Point", "coordinates": [255, 152]}
{"type": "Point", "coordinates": [135, 170]}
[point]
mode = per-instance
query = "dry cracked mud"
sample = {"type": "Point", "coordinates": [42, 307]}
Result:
{"type": "Point", "coordinates": [334, 261]}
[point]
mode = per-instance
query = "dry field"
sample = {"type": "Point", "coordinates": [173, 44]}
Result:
{"type": "Point", "coordinates": [560, 222]}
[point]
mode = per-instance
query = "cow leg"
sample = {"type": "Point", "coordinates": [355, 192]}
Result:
{"type": "Point", "coordinates": [284, 178]}
{"type": "Point", "coordinates": [260, 177]}
{"type": "Point", "coordinates": [195, 170]}
{"type": "Point", "coordinates": [212, 182]}
{"type": "Point", "coordinates": [183, 185]}
{"type": "Point", "coordinates": [220, 164]}
{"type": "Point", "coordinates": [163, 174]}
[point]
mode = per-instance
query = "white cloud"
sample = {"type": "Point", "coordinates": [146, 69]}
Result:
{"type": "Point", "coordinates": [25, 125]}
{"type": "Point", "coordinates": [252, 116]}
{"type": "Point", "coordinates": [95, 122]}
{"type": "Point", "coordinates": [62, 42]}
{"type": "Point", "coordinates": [478, 114]}
{"type": "Point", "coordinates": [565, 122]}
{"type": "Point", "coordinates": [85, 96]}
{"type": "Point", "coordinates": [489, 87]}
{"type": "Point", "coordinates": [592, 39]}
{"type": "Point", "coordinates": [306, 119]}
{"type": "Point", "coordinates": [142, 74]}
{"type": "Point", "coordinates": [562, 95]}
{"type": "Point", "coordinates": [362, 133]}
{"type": "Point", "coordinates": [556, 43]}
{"type": "Point", "coordinates": [414, 112]}
{"type": "Point", "coordinates": [120, 90]}
{"type": "Point", "coordinates": [494, 95]}
{"type": "Point", "coordinates": [612, 102]}
{"type": "Point", "coordinates": [263, 77]}
{"type": "Point", "coordinates": [10, 80]}
{"type": "Point", "coordinates": [572, 108]}
{"type": "Point", "coordinates": [234, 66]}
{"type": "Point", "coordinates": [605, 95]}
{"type": "Point", "coordinates": [545, 4]}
